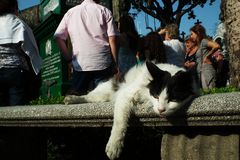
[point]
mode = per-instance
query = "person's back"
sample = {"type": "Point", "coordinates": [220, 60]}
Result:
{"type": "Point", "coordinates": [151, 48]}
{"type": "Point", "coordinates": [174, 52]}
{"type": "Point", "coordinates": [128, 44]}
{"type": "Point", "coordinates": [92, 32]}
{"type": "Point", "coordinates": [175, 49]}
{"type": "Point", "coordinates": [18, 56]}
{"type": "Point", "coordinates": [86, 25]}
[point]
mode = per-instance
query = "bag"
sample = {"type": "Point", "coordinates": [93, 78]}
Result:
{"type": "Point", "coordinates": [216, 59]}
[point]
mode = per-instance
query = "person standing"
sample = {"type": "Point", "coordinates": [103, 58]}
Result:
{"type": "Point", "coordinates": [18, 55]}
{"type": "Point", "coordinates": [191, 49]}
{"type": "Point", "coordinates": [128, 44]}
{"type": "Point", "coordinates": [206, 47]}
{"type": "Point", "coordinates": [175, 50]}
{"type": "Point", "coordinates": [151, 48]}
{"type": "Point", "coordinates": [93, 36]}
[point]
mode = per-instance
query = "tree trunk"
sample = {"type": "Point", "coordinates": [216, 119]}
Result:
{"type": "Point", "coordinates": [120, 7]}
{"type": "Point", "coordinates": [230, 14]}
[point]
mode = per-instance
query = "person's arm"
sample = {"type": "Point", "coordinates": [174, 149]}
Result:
{"type": "Point", "coordinates": [113, 41]}
{"type": "Point", "coordinates": [213, 48]}
{"type": "Point", "coordinates": [64, 50]}
{"type": "Point", "coordinates": [189, 64]}
{"type": "Point", "coordinates": [162, 31]}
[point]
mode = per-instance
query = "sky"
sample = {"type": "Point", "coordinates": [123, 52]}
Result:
{"type": "Point", "coordinates": [209, 16]}
{"type": "Point", "coordinates": [23, 4]}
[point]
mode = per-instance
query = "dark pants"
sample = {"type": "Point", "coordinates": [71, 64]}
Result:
{"type": "Point", "coordinates": [13, 83]}
{"type": "Point", "coordinates": [84, 81]}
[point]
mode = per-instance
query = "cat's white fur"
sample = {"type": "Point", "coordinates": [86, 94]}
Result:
{"type": "Point", "coordinates": [132, 92]}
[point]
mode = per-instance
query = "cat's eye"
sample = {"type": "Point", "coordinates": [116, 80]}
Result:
{"type": "Point", "coordinates": [172, 100]}
{"type": "Point", "coordinates": [156, 96]}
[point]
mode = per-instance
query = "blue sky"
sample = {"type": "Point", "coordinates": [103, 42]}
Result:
{"type": "Point", "coordinates": [208, 15]}
{"type": "Point", "coordinates": [23, 4]}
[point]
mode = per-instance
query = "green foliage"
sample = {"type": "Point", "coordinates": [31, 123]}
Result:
{"type": "Point", "coordinates": [48, 100]}
{"type": "Point", "coordinates": [220, 90]}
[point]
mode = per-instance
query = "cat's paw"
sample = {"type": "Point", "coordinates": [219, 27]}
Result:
{"type": "Point", "coordinates": [114, 147]}
{"type": "Point", "coordinates": [72, 99]}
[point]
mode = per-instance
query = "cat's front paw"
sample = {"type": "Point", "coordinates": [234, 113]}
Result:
{"type": "Point", "coordinates": [114, 147]}
{"type": "Point", "coordinates": [72, 99]}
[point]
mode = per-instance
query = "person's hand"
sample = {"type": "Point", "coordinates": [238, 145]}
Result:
{"type": "Point", "coordinates": [118, 76]}
{"type": "Point", "coordinates": [189, 64]}
{"type": "Point", "coordinates": [219, 57]}
{"type": "Point", "coordinates": [115, 69]}
{"type": "Point", "coordinates": [162, 31]}
{"type": "Point", "coordinates": [206, 60]}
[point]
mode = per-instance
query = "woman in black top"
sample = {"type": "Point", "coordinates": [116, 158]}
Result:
{"type": "Point", "coordinates": [191, 49]}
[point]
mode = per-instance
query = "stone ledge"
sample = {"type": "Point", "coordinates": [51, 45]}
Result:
{"type": "Point", "coordinates": [210, 110]}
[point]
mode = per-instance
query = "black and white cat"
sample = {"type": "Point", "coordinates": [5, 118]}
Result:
{"type": "Point", "coordinates": [165, 87]}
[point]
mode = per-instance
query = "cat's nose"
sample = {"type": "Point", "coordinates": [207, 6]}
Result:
{"type": "Point", "coordinates": [161, 109]}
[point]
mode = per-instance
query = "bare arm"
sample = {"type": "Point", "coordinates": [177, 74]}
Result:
{"type": "Point", "coordinates": [213, 48]}
{"type": "Point", "coordinates": [63, 48]}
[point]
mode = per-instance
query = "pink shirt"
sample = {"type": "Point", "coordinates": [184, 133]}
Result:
{"type": "Point", "coordinates": [88, 25]}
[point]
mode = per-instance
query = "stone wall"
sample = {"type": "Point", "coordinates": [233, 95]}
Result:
{"type": "Point", "coordinates": [208, 129]}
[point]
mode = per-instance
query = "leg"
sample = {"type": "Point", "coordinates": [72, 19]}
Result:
{"type": "Point", "coordinates": [102, 93]}
{"type": "Point", "coordinates": [102, 76]}
{"type": "Point", "coordinates": [122, 112]}
{"type": "Point", "coordinates": [3, 97]}
{"type": "Point", "coordinates": [208, 76]}
{"type": "Point", "coordinates": [102, 88]}
{"type": "Point", "coordinates": [4, 87]}
{"type": "Point", "coordinates": [80, 83]}
{"type": "Point", "coordinates": [18, 89]}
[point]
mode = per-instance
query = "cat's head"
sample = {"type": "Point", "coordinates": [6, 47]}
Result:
{"type": "Point", "coordinates": [169, 92]}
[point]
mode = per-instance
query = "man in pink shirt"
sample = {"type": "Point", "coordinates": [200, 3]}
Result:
{"type": "Point", "coordinates": [93, 36]}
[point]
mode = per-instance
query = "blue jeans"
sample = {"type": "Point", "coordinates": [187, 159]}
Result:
{"type": "Point", "coordinates": [13, 83]}
{"type": "Point", "coordinates": [84, 81]}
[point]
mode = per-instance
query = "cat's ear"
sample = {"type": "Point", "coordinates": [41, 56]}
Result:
{"type": "Point", "coordinates": [192, 71]}
{"type": "Point", "coordinates": [155, 72]}
{"type": "Point", "coordinates": [188, 73]}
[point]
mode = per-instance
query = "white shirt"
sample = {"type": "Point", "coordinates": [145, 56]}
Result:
{"type": "Point", "coordinates": [13, 31]}
{"type": "Point", "coordinates": [175, 52]}
{"type": "Point", "coordinates": [88, 25]}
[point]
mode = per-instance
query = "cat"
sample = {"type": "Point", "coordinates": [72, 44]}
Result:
{"type": "Point", "coordinates": [165, 87]}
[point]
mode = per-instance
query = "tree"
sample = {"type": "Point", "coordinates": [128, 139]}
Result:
{"type": "Point", "coordinates": [229, 13]}
{"type": "Point", "coordinates": [169, 11]}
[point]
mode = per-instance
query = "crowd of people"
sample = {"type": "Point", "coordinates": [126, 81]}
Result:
{"type": "Point", "coordinates": [102, 49]}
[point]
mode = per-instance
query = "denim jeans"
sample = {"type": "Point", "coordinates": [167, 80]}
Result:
{"type": "Point", "coordinates": [84, 81]}
{"type": "Point", "coordinates": [13, 82]}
